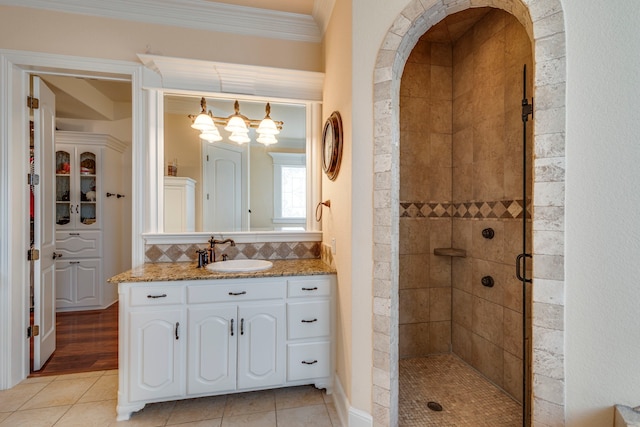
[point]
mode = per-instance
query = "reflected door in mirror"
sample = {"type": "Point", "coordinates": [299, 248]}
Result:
{"type": "Point", "coordinates": [225, 188]}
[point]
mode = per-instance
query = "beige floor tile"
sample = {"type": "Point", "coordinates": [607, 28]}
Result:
{"type": "Point", "coordinates": [328, 398]}
{"type": "Point", "coordinates": [204, 423]}
{"type": "Point", "coordinates": [259, 419]}
{"type": "Point", "coordinates": [42, 417]}
{"type": "Point", "coordinates": [4, 415]}
{"type": "Point", "coordinates": [45, 379]}
{"type": "Point", "coordinates": [59, 393]}
{"type": "Point", "coordinates": [294, 397]}
{"type": "Point", "coordinates": [154, 414]}
{"type": "Point", "coordinates": [305, 416]}
{"type": "Point", "coordinates": [333, 415]}
{"type": "Point", "coordinates": [91, 414]}
{"type": "Point", "coordinates": [105, 388]}
{"type": "Point", "coordinates": [249, 403]}
{"type": "Point", "coordinates": [204, 408]}
{"type": "Point", "coordinates": [111, 372]}
{"type": "Point", "coordinates": [79, 375]}
{"type": "Point", "coordinates": [13, 398]}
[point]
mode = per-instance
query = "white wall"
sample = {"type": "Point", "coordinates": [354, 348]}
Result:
{"type": "Point", "coordinates": [602, 219]}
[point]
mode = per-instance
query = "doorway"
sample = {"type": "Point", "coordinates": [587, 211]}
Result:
{"type": "Point", "coordinates": [91, 177]}
{"type": "Point", "coordinates": [462, 213]}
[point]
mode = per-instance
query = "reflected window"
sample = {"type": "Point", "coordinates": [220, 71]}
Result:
{"type": "Point", "coordinates": [290, 187]}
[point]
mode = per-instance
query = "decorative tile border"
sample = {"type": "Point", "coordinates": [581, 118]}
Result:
{"type": "Point", "coordinates": [501, 209]}
{"type": "Point", "coordinates": [267, 250]}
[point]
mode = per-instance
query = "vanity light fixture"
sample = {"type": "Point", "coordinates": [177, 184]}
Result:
{"type": "Point", "coordinates": [237, 124]}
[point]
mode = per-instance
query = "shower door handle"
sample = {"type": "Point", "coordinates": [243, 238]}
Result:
{"type": "Point", "coordinates": [520, 277]}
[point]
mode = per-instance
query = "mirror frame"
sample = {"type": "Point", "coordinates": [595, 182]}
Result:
{"type": "Point", "coordinates": [256, 83]}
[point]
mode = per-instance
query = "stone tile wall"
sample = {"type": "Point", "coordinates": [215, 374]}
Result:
{"type": "Point", "coordinates": [461, 140]}
{"type": "Point", "coordinates": [425, 174]}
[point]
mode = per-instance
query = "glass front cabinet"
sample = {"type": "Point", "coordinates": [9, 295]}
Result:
{"type": "Point", "coordinates": [77, 186]}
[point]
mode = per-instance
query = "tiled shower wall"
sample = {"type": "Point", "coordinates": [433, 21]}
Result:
{"type": "Point", "coordinates": [425, 176]}
{"type": "Point", "coordinates": [454, 182]}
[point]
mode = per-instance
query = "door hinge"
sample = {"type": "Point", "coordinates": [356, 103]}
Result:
{"type": "Point", "coordinates": [33, 179]}
{"type": "Point", "coordinates": [527, 109]}
{"type": "Point", "coordinates": [33, 254]}
{"type": "Point", "coordinates": [33, 331]}
{"type": "Point", "coordinates": [33, 103]}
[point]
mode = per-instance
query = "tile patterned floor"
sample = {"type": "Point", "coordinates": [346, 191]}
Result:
{"type": "Point", "coordinates": [467, 398]}
{"type": "Point", "coordinates": [89, 399]}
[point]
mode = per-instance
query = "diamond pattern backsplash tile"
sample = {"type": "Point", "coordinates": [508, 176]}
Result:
{"type": "Point", "coordinates": [267, 250]}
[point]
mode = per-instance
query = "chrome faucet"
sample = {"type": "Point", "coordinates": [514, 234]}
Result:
{"type": "Point", "coordinates": [213, 242]}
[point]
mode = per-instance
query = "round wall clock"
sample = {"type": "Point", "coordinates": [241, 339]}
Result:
{"type": "Point", "coordinates": [332, 145]}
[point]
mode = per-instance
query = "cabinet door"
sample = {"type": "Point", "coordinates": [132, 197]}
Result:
{"type": "Point", "coordinates": [64, 189]}
{"type": "Point", "coordinates": [261, 345]}
{"type": "Point", "coordinates": [78, 283]}
{"type": "Point", "coordinates": [65, 277]}
{"type": "Point", "coordinates": [88, 282]}
{"type": "Point", "coordinates": [211, 365]}
{"type": "Point", "coordinates": [156, 354]}
{"type": "Point", "coordinates": [87, 215]}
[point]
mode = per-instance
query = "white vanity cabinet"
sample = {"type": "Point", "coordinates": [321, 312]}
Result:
{"type": "Point", "coordinates": [196, 338]}
{"type": "Point", "coordinates": [156, 340]}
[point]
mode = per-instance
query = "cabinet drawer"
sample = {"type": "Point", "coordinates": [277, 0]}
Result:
{"type": "Point", "coordinates": [307, 361]}
{"type": "Point", "coordinates": [308, 319]}
{"type": "Point", "coordinates": [76, 244]}
{"type": "Point", "coordinates": [156, 295]}
{"type": "Point", "coordinates": [309, 287]}
{"type": "Point", "coordinates": [236, 292]}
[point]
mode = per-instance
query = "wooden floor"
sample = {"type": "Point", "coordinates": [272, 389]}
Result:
{"type": "Point", "coordinates": [85, 341]}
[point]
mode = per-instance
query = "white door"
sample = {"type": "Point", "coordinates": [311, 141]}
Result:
{"type": "Point", "coordinates": [224, 188]}
{"type": "Point", "coordinates": [213, 334]}
{"type": "Point", "coordinates": [44, 272]}
{"type": "Point", "coordinates": [260, 346]}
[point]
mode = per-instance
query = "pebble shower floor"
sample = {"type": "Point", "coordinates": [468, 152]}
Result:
{"type": "Point", "coordinates": [467, 398]}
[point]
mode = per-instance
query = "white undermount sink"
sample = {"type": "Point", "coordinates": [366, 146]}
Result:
{"type": "Point", "coordinates": [240, 265]}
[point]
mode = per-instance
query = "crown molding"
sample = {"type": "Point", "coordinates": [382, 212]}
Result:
{"type": "Point", "coordinates": [221, 77]}
{"type": "Point", "coordinates": [322, 10]}
{"type": "Point", "coordinates": [194, 14]}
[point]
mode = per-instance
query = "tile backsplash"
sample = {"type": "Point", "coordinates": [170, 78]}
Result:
{"type": "Point", "coordinates": [262, 250]}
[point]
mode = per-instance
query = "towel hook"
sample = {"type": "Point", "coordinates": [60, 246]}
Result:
{"type": "Point", "coordinates": [326, 203]}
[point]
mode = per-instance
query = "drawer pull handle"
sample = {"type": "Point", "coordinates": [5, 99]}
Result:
{"type": "Point", "coordinates": [157, 296]}
{"type": "Point", "coordinates": [315, 288]}
{"type": "Point", "coordinates": [233, 294]}
{"type": "Point", "coordinates": [304, 362]}
{"type": "Point", "coordinates": [231, 327]}
{"type": "Point", "coordinates": [309, 321]}
{"type": "Point", "coordinates": [177, 330]}
{"type": "Point", "coordinates": [242, 326]}
{"type": "Point", "coordinates": [74, 234]}
{"type": "Point", "coordinates": [74, 262]}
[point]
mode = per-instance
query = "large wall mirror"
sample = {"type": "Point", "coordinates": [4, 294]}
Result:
{"type": "Point", "coordinates": [226, 186]}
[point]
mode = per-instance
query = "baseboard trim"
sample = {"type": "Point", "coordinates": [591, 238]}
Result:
{"type": "Point", "coordinates": [349, 417]}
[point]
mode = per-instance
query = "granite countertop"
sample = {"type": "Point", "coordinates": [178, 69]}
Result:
{"type": "Point", "coordinates": [173, 271]}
